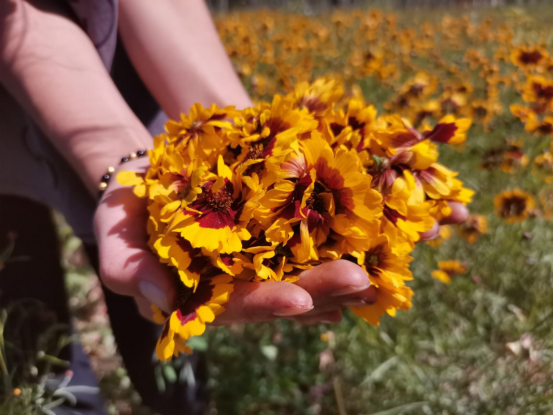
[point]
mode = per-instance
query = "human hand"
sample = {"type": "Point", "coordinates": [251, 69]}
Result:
{"type": "Point", "coordinates": [128, 267]}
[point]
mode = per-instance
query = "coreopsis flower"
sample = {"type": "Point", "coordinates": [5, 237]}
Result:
{"type": "Point", "coordinates": [546, 202]}
{"type": "Point", "coordinates": [473, 227]}
{"type": "Point", "coordinates": [265, 135]}
{"type": "Point", "coordinates": [400, 212]}
{"type": "Point", "coordinates": [538, 90]}
{"type": "Point", "coordinates": [193, 311]}
{"type": "Point", "coordinates": [513, 159]}
{"type": "Point", "coordinates": [507, 158]}
{"type": "Point", "coordinates": [428, 109]}
{"type": "Point", "coordinates": [387, 272]}
{"type": "Point", "coordinates": [522, 113]}
{"type": "Point", "coordinates": [398, 134]}
{"type": "Point", "coordinates": [484, 111]}
{"type": "Point", "coordinates": [318, 97]}
{"type": "Point", "coordinates": [351, 128]}
{"type": "Point", "coordinates": [217, 220]}
{"type": "Point", "coordinates": [513, 206]}
{"type": "Point", "coordinates": [447, 269]}
{"type": "Point", "coordinates": [289, 185]}
{"type": "Point", "coordinates": [528, 57]}
{"type": "Point", "coordinates": [543, 166]}
{"type": "Point", "coordinates": [319, 191]}
{"type": "Point", "coordinates": [200, 133]}
{"type": "Point", "coordinates": [540, 127]}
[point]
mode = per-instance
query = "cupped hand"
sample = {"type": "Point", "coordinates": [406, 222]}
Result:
{"type": "Point", "coordinates": [128, 267]}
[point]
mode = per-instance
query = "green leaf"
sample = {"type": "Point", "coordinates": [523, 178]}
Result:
{"type": "Point", "coordinates": [198, 343]}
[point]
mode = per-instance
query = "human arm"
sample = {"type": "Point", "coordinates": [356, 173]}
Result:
{"type": "Point", "coordinates": [53, 70]}
{"type": "Point", "coordinates": [176, 50]}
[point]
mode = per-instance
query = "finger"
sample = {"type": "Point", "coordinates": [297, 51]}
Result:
{"type": "Point", "coordinates": [330, 317]}
{"type": "Point", "coordinates": [430, 234]}
{"type": "Point", "coordinates": [359, 299]}
{"type": "Point", "coordinates": [126, 264]}
{"type": "Point", "coordinates": [264, 301]}
{"type": "Point", "coordinates": [144, 308]}
{"type": "Point", "coordinates": [459, 213]}
{"type": "Point", "coordinates": [331, 282]}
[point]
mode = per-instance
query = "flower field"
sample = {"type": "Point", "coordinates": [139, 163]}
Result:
{"type": "Point", "coordinates": [477, 338]}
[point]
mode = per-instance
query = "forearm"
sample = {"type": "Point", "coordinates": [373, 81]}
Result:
{"type": "Point", "coordinates": [177, 52]}
{"type": "Point", "coordinates": [55, 73]}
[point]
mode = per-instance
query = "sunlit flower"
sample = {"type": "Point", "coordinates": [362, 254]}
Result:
{"type": "Point", "coordinates": [387, 273]}
{"type": "Point", "coordinates": [540, 127]}
{"type": "Point", "coordinates": [473, 227]}
{"type": "Point", "coordinates": [447, 269]}
{"type": "Point", "coordinates": [513, 206]}
{"type": "Point", "coordinates": [217, 219]}
{"type": "Point", "coordinates": [265, 135]}
{"type": "Point", "coordinates": [200, 133]}
{"type": "Point", "coordinates": [528, 57]}
{"type": "Point", "coordinates": [193, 311]}
{"type": "Point", "coordinates": [319, 97]}
{"type": "Point", "coordinates": [538, 89]}
{"type": "Point", "coordinates": [543, 166]}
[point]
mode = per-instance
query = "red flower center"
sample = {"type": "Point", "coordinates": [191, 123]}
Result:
{"type": "Point", "coordinates": [219, 201]}
{"type": "Point", "coordinates": [514, 206]}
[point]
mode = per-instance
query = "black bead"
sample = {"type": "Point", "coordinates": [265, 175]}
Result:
{"type": "Point", "coordinates": [141, 153]}
{"type": "Point", "coordinates": [106, 177]}
{"type": "Point", "coordinates": [125, 159]}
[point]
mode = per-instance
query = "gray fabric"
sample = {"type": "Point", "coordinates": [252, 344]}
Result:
{"type": "Point", "coordinates": [30, 166]}
{"type": "Point", "coordinates": [98, 18]}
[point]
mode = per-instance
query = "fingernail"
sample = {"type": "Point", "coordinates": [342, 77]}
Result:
{"type": "Point", "coordinates": [350, 289]}
{"type": "Point", "coordinates": [153, 294]}
{"type": "Point", "coordinates": [355, 303]}
{"type": "Point", "coordinates": [292, 311]}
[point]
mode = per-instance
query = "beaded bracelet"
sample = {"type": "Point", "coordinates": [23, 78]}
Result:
{"type": "Point", "coordinates": [107, 176]}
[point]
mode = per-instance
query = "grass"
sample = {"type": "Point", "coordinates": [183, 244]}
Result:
{"type": "Point", "coordinates": [481, 345]}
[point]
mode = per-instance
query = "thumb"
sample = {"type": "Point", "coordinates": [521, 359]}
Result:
{"type": "Point", "coordinates": [127, 266]}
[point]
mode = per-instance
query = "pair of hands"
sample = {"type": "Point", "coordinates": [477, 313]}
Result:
{"type": "Point", "coordinates": [128, 267]}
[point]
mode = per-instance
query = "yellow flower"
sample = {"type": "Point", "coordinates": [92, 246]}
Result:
{"type": "Point", "coordinates": [528, 57]}
{"type": "Point", "coordinates": [193, 311]}
{"type": "Point", "coordinates": [341, 189]}
{"type": "Point", "coordinates": [522, 113]}
{"type": "Point", "coordinates": [447, 269]}
{"type": "Point", "coordinates": [398, 134]}
{"type": "Point", "coordinates": [218, 218]}
{"type": "Point", "coordinates": [352, 128]}
{"type": "Point", "coordinates": [201, 133]}
{"type": "Point", "coordinates": [538, 89]}
{"type": "Point", "coordinates": [543, 127]}
{"type": "Point", "coordinates": [513, 206]}
{"type": "Point", "coordinates": [543, 166]}
{"type": "Point", "coordinates": [387, 272]}
{"type": "Point", "coordinates": [473, 227]}
{"type": "Point", "coordinates": [191, 263]}
{"type": "Point", "coordinates": [267, 134]}
{"type": "Point", "coordinates": [318, 97]}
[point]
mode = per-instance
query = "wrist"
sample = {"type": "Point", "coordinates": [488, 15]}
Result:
{"type": "Point", "coordinates": [136, 161]}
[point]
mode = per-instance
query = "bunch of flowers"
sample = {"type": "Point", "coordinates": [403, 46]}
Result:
{"type": "Point", "coordinates": [263, 193]}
